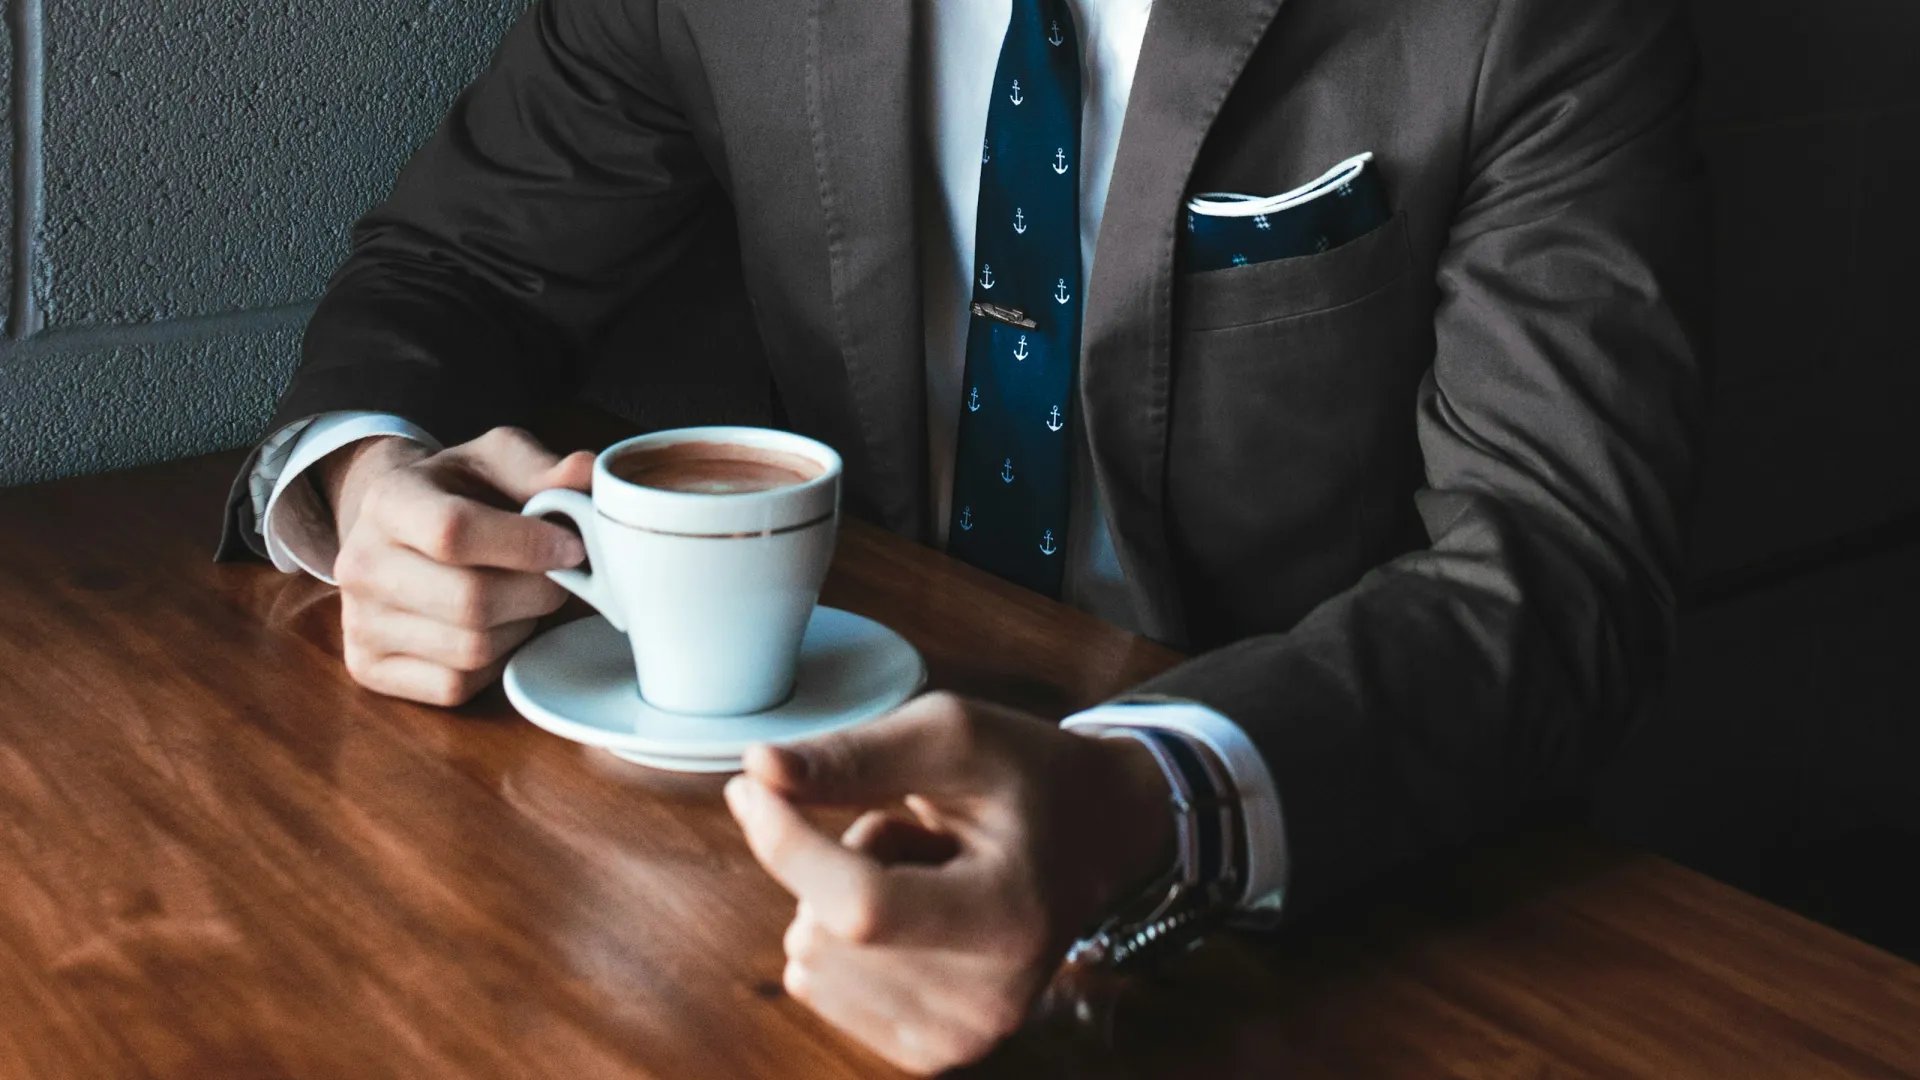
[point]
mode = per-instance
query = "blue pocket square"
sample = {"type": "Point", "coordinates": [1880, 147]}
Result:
{"type": "Point", "coordinates": [1226, 230]}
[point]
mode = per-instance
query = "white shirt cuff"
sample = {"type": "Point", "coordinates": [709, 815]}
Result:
{"type": "Point", "coordinates": [1267, 863]}
{"type": "Point", "coordinates": [296, 524]}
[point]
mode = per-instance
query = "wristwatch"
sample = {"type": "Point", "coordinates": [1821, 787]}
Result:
{"type": "Point", "coordinates": [1206, 879]}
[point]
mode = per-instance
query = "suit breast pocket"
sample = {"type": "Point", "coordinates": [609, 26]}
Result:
{"type": "Point", "coordinates": [1292, 455]}
{"type": "Point", "coordinates": [1286, 288]}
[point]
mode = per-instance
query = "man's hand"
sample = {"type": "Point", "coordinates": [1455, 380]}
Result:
{"type": "Point", "coordinates": [440, 577]}
{"type": "Point", "coordinates": [994, 839]}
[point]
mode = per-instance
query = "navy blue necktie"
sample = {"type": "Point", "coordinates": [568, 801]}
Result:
{"type": "Point", "coordinates": [1014, 458]}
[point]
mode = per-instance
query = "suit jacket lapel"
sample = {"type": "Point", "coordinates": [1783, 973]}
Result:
{"type": "Point", "coordinates": [1193, 53]}
{"type": "Point", "coordinates": [861, 102]}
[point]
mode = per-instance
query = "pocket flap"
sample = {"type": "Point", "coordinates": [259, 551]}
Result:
{"type": "Point", "coordinates": [1288, 288]}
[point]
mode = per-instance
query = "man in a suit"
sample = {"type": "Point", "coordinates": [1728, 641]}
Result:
{"type": "Point", "coordinates": [1410, 493]}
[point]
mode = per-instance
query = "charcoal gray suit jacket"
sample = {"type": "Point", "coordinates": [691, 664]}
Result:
{"type": "Point", "coordinates": [1414, 502]}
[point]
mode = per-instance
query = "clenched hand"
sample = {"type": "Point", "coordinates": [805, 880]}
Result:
{"type": "Point", "coordinates": [440, 576]}
{"type": "Point", "coordinates": [991, 840]}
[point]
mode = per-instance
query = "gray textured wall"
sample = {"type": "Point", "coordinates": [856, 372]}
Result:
{"type": "Point", "coordinates": [180, 195]}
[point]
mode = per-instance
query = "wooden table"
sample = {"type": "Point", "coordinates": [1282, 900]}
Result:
{"type": "Point", "coordinates": [218, 858]}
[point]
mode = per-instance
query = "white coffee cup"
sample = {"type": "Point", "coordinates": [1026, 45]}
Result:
{"type": "Point", "coordinates": [713, 590]}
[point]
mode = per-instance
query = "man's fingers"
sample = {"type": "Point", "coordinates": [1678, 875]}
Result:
{"type": "Point", "coordinates": [890, 839]}
{"type": "Point", "coordinates": [867, 1013]}
{"type": "Point", "coordinates": [850, 894]}
{"type": "Point", "coordinates": [414, 679]}
{"type": "Point", "coordinates": [913, 1008]}
{"type": "Point", "coordinates": [928, 746]}
{"type": "Point", "coordinates": [458, 531]}
{"type": "Point", "coordinates": [472, 598]}
{"type": "Point", "coordinates": [575, 471]}
{"type": "Point", "coordinates": [807, 863]}
{"type": "Point", "coordinates": [514, 463]}
{"type": "Point", "coordinates": [385, 631]}
{"type": "Point", "coordinates": [461, 507]}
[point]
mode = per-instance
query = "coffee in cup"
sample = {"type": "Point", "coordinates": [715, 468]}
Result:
{"type": "Point", "coordinates": [713, 468]}
{"type": "Point", "coordinates": [707, 547]}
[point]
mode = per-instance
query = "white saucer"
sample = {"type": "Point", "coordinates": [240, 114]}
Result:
{"type": "Point", "coordinates": [577, 681]}
{"type": "Point", "coordinates": [680, 764]}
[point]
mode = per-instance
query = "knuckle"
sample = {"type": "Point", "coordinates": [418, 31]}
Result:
{"type": "Point", "coordinates": [351, 567]}
{"type": "Point", "coordinates": [446, 688]}
{"type": "Point", "coordinates": [358, 638]}
{"type": "Point", "coordinates": [956, 723]}
{"type": "Point", "coordinates": [352, 620]}
{"type": "Point", "coordinates": [943, 703]}
{"type": "Point", "coordinates": [798, 981]}
{"type": "Point", "coordinates": [505, 438]}
{"type": "Point", "coordinates": [360, 664]}
{"type": "Point", "coordinates": [801, 943]}
{"type": "Point", "coordinates": [472, 650]}
{"type": "Point", "coordinates": [446, 531]}
{"type": "Point", "coordinates": [865, 921]}
{"type": "Point", "coordinates": [467, 602]}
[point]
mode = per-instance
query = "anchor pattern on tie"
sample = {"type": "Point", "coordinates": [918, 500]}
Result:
{"type": "Point", "coordinates": [1012, 476]}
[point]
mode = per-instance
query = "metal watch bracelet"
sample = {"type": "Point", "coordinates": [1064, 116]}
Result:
{"type": "Point", "coordinates": [1193, 895]}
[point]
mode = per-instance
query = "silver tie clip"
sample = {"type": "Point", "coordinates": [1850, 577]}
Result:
{"type": "Point", "coordinates": [1010, 316]}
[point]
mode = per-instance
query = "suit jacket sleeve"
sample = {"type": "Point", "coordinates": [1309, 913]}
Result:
{"type": "Point", "coordinates": [561, 183]}
{"type": "Point", "coordinates": [1455, 684]}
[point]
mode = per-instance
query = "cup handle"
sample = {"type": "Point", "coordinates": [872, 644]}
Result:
{"type": "Point", "coordinates": [594, 588]}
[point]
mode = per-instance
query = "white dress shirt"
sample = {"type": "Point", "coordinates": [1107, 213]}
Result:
{"type": "Point", "coordinates": [959, 53]}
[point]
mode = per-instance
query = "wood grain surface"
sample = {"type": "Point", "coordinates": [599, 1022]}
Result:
{"type": "Point", "coordinates": [219, 858]}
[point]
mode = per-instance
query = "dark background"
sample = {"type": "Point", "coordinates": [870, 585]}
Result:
{"type": "Point", "coordinates": [184, 172]}
{"type": "Point", "coordinates": [1786, 761]}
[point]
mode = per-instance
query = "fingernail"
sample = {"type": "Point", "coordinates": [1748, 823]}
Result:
{"type": "Point", "coordinates": [738, 792]}
{"type": "Point", "coordinates": [569, 552]}
{"type": "Point", "coordinates": [778, 764]}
